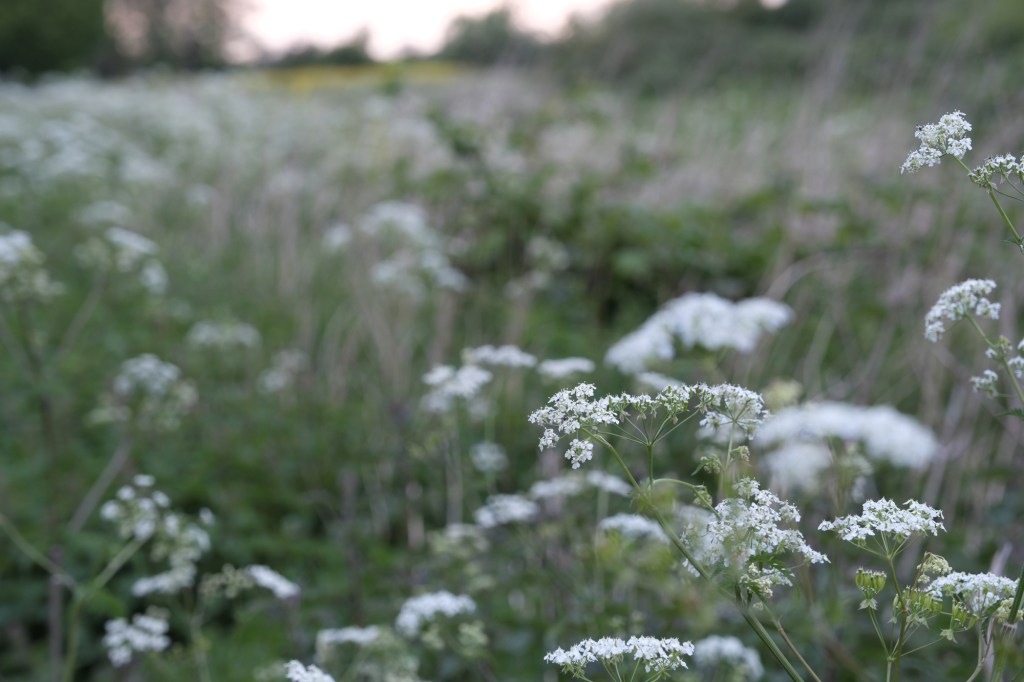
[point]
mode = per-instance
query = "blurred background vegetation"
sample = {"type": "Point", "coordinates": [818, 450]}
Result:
{"type": "Point", "coordinates": [665, 146]}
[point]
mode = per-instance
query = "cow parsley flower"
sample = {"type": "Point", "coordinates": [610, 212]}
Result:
{"type": "Point", "coordinates": [698, 321]}
{"type": "Point", "coordinates": [450, 386]}
{"type": "Point", "coordinates": [270, 579]}
{"type": "Point", "coordinates": [986, 382]}
{"type": "Point", "coordinates": [959, 302]}
{"type": "Point", "coordinates": [885, 521]}
{"type": "Point", "coordinates": [504, 509]}
{"type": "Point", "coordinates": [501, 356]}
{"type": "Point", "coordinates": [747, 534]}
{"type": "Point", "coordinates": [284, 370]}
{"type": "Point", "coordinates": [575, 412]}
{"type": "Point", "coordinates": [948, 136]}
{"type": "Point", "coordinates": [146, 632]}
{"type": "Point", "coordinates": [488, 458]}
{"type": "Point", "coordinates": [22, 273]}
{"type": "Point", "coordinates": [659, 656]}
{"type": "Point", "coordinates": [727, 654]}
{"type": "Point", "coordinates": [634, 527]}
{"type": "Point", "coordinates": [124, 251]}
{"type": "Point", "coordinates": [977, 593]}
{"type": "Point", "coordinates": [564, 368]}
{"type": "Point", "coordinates": [886, 434]}
{"type": "Point", "coordinates": [328, 639]}
{"type": "Point", "coordinates": [417, 611]}
{"type": "Point", "coordinates": [296, 672]}
{"type": "Point", "coordinates": [996, 168]}
{"type": "Point", "coordinates": [148, 391]}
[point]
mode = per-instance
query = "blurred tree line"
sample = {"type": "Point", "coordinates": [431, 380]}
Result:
{"type": "Point", "coordinates": [647, 45]}
{"type": "Point", "coordinates": [113, 36]}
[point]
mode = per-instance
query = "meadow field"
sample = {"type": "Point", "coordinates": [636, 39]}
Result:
{"type": "Point", "coordinates": [437, 374]}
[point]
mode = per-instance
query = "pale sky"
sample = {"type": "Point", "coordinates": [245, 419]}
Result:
{"type": "Point", "coordinates": [393, 24]}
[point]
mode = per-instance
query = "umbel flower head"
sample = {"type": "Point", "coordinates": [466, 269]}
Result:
{"type": "Point", "coordinates": [575, 412]}
{"type": "Point", "coordinates": [980, 594]}
{"type": "Point", "coordinates": [748, 535]}
{"type": "Point", "coordinates": [948, 136]}
{"type": "Point", "coordinates": [885, 521]}
{"type": "Point", "coordinates": [148, 392]}
{"type": "Point", "coordinates": [960, 302]}
{"type": "Point", "coordinates": [657, 656]}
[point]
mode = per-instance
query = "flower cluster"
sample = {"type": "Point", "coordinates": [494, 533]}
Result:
{"type": "Point", "coordinates": [504, 509]}
{"type": "Point", "coordinates": [885, 518]}
{"type": "Point", "coordinates": [296, 672]}
{"type": "Point", "coordinates": [141, 514]}
{"type": "Point", "coordinates": [977, 593]}
{"type": "Point", "coordinates": [450, 385]}
{"type": "Point", "coordinates": [996, 168]}
{"type": "Point", "coordinates": [417, 611]}
{"type": "Point", "coordinates": [146, 632]}
{"type": "Point", "coordinates": [746, 534]}
{"type": "Point", "coordinates": [575, 412]}
{"type": "Point", "coordinates": [266, 577]}
{"type": "Point", "coordinates": [659, 656]}
{"type": "Point", "coordinates": [886, 434]}
{"type": "Point", "coordinates": [634, 527]}
{"type": "Point", "coordinates": [125, 251]}
{"type": "Point", "coordinates": [698, 321]}
{"type": "Point", "coordinates": [727, 653]}
{"type": "Point", "coordinates": [22, 276]}
{"type": "Point", "coordinates": [959, 302]}
{"type": "Point", "coordinates": [500, 356]}
{"type": "Point", "coordinates": [284, 369]}
{"type": "Point", "coordinates": [148, 392]}
{"type": "Point", "coordinates": [948, 136]}
{"type": "Point", "coordinates": [574, 483]}
{"type": "Point", "coordinates": [488, 457]}
{"type": "Point", "coordinates": [564, 368]}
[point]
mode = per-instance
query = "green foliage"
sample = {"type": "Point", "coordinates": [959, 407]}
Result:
{"type": "Point", "coordinates": [58, 35]}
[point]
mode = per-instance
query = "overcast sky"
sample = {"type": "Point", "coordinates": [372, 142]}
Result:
{"type": "Point", "coordinates": [393, 24]}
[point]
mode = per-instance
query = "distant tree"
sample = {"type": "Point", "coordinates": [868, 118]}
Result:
{"type": "Point", "coordinates": [350, 53]}
{"type": "Point", "coordinates": [189, 34]}
{"type": "Point", "coordinates": [492, 38]}
{"type": "Point", "coordinates": [37, 36]}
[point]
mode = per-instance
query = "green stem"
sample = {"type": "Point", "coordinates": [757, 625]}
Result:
{"type": "Point", "coordinates": [744, 610]}
{"type": "Point", "coordinates": [34, 554]}
{"type": "Point", "coordinates": [71, 655]}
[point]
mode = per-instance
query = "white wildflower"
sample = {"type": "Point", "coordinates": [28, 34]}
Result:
{"type": "Point", "coordinates": [296, 672]}
{"type": "Point", "coordinates": [976, 592]}
{"type": "Point", "coordinates": [655, 655]}
{"type": "Point", "coordinates": [797, 466]}
{"type": "Point", "coordinates": [149, 391]}
{"type": "Point", "coordinates": [886, 434]}
{"type": "Point", "coordinates": [504, 509]}
{"type": "Point", "coordinates": [727, 653]}
{"type": "Point", "coordinates": [450, 385]}
{"type": "Point", "coordinates": [502, 356]}
{"type": "Point", "coordinates": [885, 518]}
{"type": "Point", "coordinates": [608, 483]}
{"type": "Point", "coordinates": [961, 301]}
{"type": "Point", "coordinates": [328, 639]}
{"type": "Point", "coordinates": [948, 136]}
{"type": "Point", "coordinates": [336, 238]}
{"type": "Point", "coordinates": [564, 368]}
{"type": "Point", "coordinates": [22, 275]}
{"type": "Point", "coordinates": [284, 370]}
{"type": "Point", "coordinates": [147, 632]}
{"type": "Point", "coordinates": [634, 527]}
{"type": "Point", "coordinates": [417, 611]}
{"type": "Point", "coordinates": [281, 587]}
{"type": "Point", "coordinates": [747, 531]}
{"type": "Point", "coordinates": [489, 458]}
{"type": "Point", "coordinates": [698, 321]}
{"type": "Point", "coordinates": [997, 168]}
{"type": "Point", "coordinates": [986, 383]}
